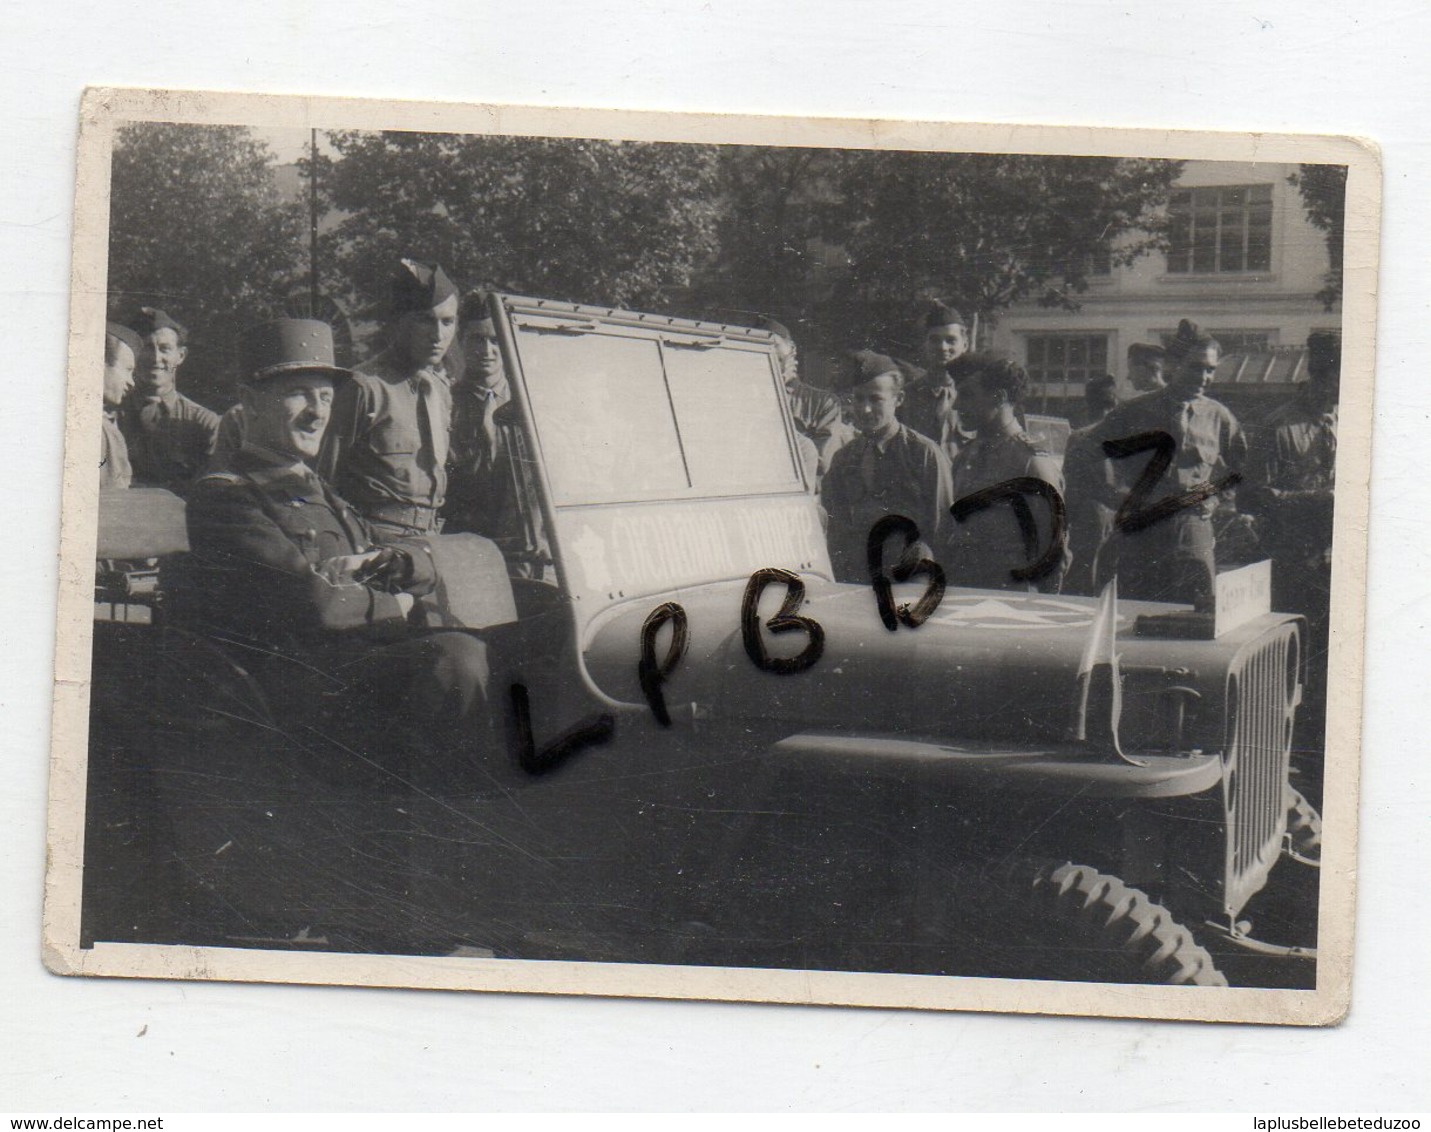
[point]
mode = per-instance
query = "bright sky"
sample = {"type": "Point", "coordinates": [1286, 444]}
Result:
{"type": "Point", "coordinates": [289, 143]}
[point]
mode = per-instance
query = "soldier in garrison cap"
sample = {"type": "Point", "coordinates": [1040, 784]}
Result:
{"type": "Point", "coordinates": [988, 545]}
{"type": "Point", "coordinates": [121, 348]}
{"type": "Point", "coordinates": [1174, 559]}
{"type": "Point", "coordinates": [170, 437]}
{"type": "Point", "coordinates": [888, 469]}
{"type": "Point", "coordinates": [387, 450]}
{"type": "Point", "coordinates": [816, 411]}
{"type": "Point", "coordinates": [282, 565]}
{"type": "Point", "coordinates": [929, 394]}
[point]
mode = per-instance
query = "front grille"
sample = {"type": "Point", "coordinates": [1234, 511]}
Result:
{"type": "Point", "coordinates": [1263, 689]}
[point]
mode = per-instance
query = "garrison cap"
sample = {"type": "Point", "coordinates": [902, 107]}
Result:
{"type": "Point", "coordinates": [125, 335]}
{"type": "Point", "coordinates": [862, 366]}
{"type": "Point", "coordinates": [148, 320]}
{"type": "Point", "coordinates": [476, 314]}
{"type": "Point", "coordinates": [419, 286]}
{"type": "Point", "coordinates": [941, 313]}
{"type": "Point", "coordinates": [288, 345]}
{"type": "Point", "coordinates": [1188, 340]}
{"type": "Point", "coordinates": [1324, 353]}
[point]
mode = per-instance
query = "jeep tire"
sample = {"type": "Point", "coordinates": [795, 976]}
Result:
{"type": "Point", "coordinates": [1072, 922]}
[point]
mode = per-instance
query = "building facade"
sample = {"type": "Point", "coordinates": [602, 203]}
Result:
{"type": "Point", "coordinates": [1244, 263]}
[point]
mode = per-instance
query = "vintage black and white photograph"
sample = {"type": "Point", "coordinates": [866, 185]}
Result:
{"type": "Point", "coordinates": [716, 558]}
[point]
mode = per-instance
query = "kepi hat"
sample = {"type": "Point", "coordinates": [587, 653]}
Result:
{"type": "Point", "coordinates": [289, 345]}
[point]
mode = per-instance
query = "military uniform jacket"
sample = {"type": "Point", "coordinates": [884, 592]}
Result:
{"type": "Point", "coordinates": [114, 468]}
{"type": "Point", "coordinates": [904, 475]}
{"type": "Point", "coordinates": [817, 416]}
{"type": "Point", "coordinates": [169, 440]}
{"type": "Point", "coordinates": [481, 494]}
{"type": "Point", "coordinates": [258, 534]}
{"type": "Point", "coordinates": [986, 546]}
{"type": "Point", "coordinates": [1291, 476]}
{"type": "Point", "coordinates": [378, 449]}
{"type": "Point", "coordinates": [1210, 444]}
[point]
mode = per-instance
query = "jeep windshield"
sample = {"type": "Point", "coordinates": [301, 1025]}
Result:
{"type": "Point", "coordinates": [629, 411]}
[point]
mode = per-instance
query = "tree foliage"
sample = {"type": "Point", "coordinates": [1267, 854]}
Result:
{"type": "Point", "coordinates": [1324, 196]}
{"type": "Point", "coordinates": [616, 223]}
{"type": "Point", "coordinates": [199, 227]}
{"type": "Point", "coordinates": [985, 231]}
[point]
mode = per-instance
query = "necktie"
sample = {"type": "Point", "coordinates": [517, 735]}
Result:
{"type": "Point", "coordinates": [433, 453]}
{"type": "Point", "coordinates": [487, 434]}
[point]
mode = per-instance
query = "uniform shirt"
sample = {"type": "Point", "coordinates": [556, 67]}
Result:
{"type": "Point", "coordinates": [987, 545]}
{"type": "Point", "coordinates": [905, 474]}
{"type": "Point", "coordinates": [1209, 445]}
{"type": "Point", "coordinates": [479, 465]}
{"type": "Point", "coordinates": [1294, 451]}
{"type": "Point", "coordinates": [259, 533]}
{"type": "Point", "coordinates": [817, 416]}
{"type": "Point", "coordinates": [114, 468]}
{"type": "Point", "coordinates": [929, 409]}
{"type": "Point", "coordinates": [1292, 477]}
{"type": "Point", "coordinates": [169, 440]}
{"type": "Point", "coordinates": [379, 449]}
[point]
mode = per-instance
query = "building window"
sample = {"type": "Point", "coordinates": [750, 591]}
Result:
{"type": "Point", "coordinates": [1059, 364]}
{"type": "Point", "coordinates": [1220, 230]}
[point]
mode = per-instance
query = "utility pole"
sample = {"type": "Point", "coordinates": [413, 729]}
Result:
{"type": "Point", "coordinates": [313, 224]}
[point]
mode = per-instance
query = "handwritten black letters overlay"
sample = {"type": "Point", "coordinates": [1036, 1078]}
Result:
{"type": "Point", "coordinates": [904, 569]}
{"type": "Point", "coordinates": [1132, 515]}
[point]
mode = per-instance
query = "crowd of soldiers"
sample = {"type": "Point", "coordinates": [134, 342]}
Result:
{"type": "Point", "coordinates": [911, 439]}
{"type": "Point", "coordinates": [310, 501]}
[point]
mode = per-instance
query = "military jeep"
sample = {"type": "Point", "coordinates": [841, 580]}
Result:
{"type": "Point", "coordinates": [715, 753]}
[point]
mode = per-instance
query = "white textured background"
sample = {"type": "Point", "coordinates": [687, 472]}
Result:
{"type": "Point", "coordinates": [1335, 67]}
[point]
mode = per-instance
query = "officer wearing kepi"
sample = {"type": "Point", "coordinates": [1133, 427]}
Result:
{"type": "Point", "coordinates": [387, 450]}
{"type": "Point", "coordinates": [169, 436]}
{"type": "Point", "coordinates": [281, 564]}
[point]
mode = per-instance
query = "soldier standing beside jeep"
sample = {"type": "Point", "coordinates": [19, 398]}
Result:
{"type": "Point", "coordinates": [929, 400]}
{"type": "Point", "coordinates": [889, 469]}
{"type": "Point", "coordinates": [482, 494]}
{"type": "Point", "coordinates": [169, 436]}
{"type": "Point", "coordinates": [121, 348]}
{"type": "Point", "coordinates": [989, 544]}
{"type": "Point", "coordinates": [816, 411]}
{"type": "Point", "coordinates": [387, 450]}
{"type": "Point", "coordinates": [1173, 558]}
